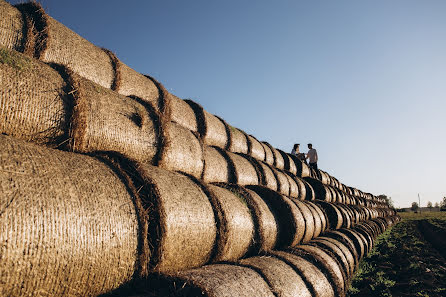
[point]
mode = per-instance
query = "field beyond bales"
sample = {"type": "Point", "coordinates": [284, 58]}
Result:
{"type": "Point", "coordinates": [407, 260]}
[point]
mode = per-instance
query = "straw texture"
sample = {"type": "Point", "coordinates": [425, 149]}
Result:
{"type": "Point", "coordinates": [182, 223]}
{"type": "Point", "coordinates": [256, 149]}
{"type": "Point", "coordinates": [236, 226]}
{"type": "Point", "coordinates": [308, 218]}
{"type": "Point", "coordinates": [105, 121]}
{"type": "Point", "coordinates": [269, 179]}
{"type": "Point", "coordinates": [133, 83]}
{"type": "Point", "coordinates": [217, 132]}
{"type": "Point", "coordinates": [294, 187]}
{"type": "Point", "coordinates": [63, 46]}
{"type": "Point", "coordinates": [335, 219]}
{"type": "Point", "coordinates": [183, 151]}
{"type": "Point", "coordinates": [265, 225]}
{"type": "Point", "coordinates": [315, 280]}
{"type": "Point", "coordinates": [68, 225]}
{"type": "Point", "coordinates": [238, 141]}
{"type": "Point", "coordinates": [183, 114]}
{"type": "Point", "coordinates": [283, 182]}
{"type": "Point", "coordinates": [269, 156]}
{"type": "Point", "coordinates": [283, 280]}
{"type": "Point", "coordinates": [223, 280]}
{"type": "Point", "coordinates": [290, 222]}
{"type": "Point", "coordinates": [245, 171]}
{"type": "Point", "coordinates": [328, 265]}
{"type": "Point", "coordinates": [217, 167]}
{"type": "Point", "coordinates": [11, 24]}
{"type": "Point", "coordinates": [33, 104]}
{"type": "Point", "coordinates": [336, 253]}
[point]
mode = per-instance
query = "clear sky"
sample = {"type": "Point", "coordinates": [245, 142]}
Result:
{"type": "Point", "coordinates": [364, 81]}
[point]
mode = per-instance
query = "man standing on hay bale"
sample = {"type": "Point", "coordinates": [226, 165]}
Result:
{"type": "Point", "coordinates": [299, 155]}
{"type": "Point", "coordinates": [312, 156]}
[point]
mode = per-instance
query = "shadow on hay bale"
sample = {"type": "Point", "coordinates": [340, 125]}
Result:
{"type": "Point", "coordinates": [68, 223]}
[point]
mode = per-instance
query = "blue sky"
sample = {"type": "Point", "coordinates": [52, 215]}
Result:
{"type": "Point", "coordinates": [364, 81]}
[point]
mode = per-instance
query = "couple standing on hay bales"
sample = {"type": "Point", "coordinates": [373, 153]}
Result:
{"type": "Point", "coordinates": [311, 155]}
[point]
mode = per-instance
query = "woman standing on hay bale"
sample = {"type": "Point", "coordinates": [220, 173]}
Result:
{"type": "Point", "coordinates": [295, 152]}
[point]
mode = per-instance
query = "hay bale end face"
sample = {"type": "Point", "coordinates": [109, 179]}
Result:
{"type": "Point", "coordinates": [182, 226]}
{"type": "Point", "coordinates": [223, 280]}
{"type": "Point", "coordinates": [33, 101]}
{"type": "Point", "coordinates": [217, 132]}
{"type": "Point", "coordinates": [183, 114]}
{"type": "Point", "coordinates": [68, 224]}
{"type": "Point", "coordinates": [235, 223]}
{"type": "Point", "coordinates": [290, 222]}
{"type": "Point", "coordinates": [315, 280]}
{"type": "Point", "coordinates": [328, 265]}
{"type": "Point", "coordinates": [282, 279]}
{"type": "Point", "coordinates": [11, 22]}
{"type": "Point", "coordinates": [265, 225]}
{"type": "Point", "coordinates": [238, 141]}
{"type": "Point", "coordinates": [217, 167]}
{"type": "Point", "coordinates": [183, 151]}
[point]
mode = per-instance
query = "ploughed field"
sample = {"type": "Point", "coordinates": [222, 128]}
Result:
{"type": "Point", "coordinates": [409, 259]}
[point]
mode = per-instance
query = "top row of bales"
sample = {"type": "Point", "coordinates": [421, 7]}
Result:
{"type": "Point", "coordinates": [28, 29]}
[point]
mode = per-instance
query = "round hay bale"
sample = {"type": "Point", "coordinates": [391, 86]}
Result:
{"type": "Point", "coordinates": [256, 149]}
{"type": "Point", "coordinates": [245, 171]}
{"type": "Point", "coordinates": [344, 239]}
{"type": "Point", "coordinates": [182, 113]}
{"type": "Point", "coordinates": [346, 219]}
{"type": "Point", "coordinates": [294, 188]}
{"type": "Point", "coordinates": [183, 151]}
{"type": "Point", "coordinates": [68, 224]}
{"type": "Point", "coordinates": [325, 178]}
{"type": "Point", "coordinates": [65, 47]}
{"type": "Point", "coordinates": [34, 105]}
{"type": "Point", "coordinates": [334, 216]}
{"type": "Point", "coordinates": [349, 255]}
{"type": "Point", "coordinates": [367, 233]}
{"type": "Point", "coordinates": [315, 280]}
{"type": "Point", "coordinates": [356, 216]}
{"type": "Point", "coordinates": [129, 82]}
{"type": "Point", "coordinates": [297, 163]}
{"type": "Point", "coordinates": [279, 162]}
{"type": "Point", "coordinates": [269, 156]}
{"type": "Point", "coordinates": [310, 194]}
{"type": "Point", "coordinates": [282, 181]}
{"type": "Point", "coordinates": [336, 253]}
{"type": "Point", "coordinates": [308, 217]}
{"type": "Point", "coordinates": [239, 141]}
{"type": "Point", "coordinates": [292, 165]}
{"type": "Point", "coordinates": [321, 215]}
{"type": "Point", "coordinates": [217, 168]}
{"type": "Point", "coordinates": [289, 219]}
{"type": "Point", "coordinates": [328, 265]}
{"type": "Point", "coordinates": [281, 278]}
{"type": "Point", "coordinates": [11, 22]}
{"type": "Point", "coordinates": [265, 225]}
{"type": "Point", "coordinates": [182, 224]}
{"type": "Point", "coordinates": [302, 188]}
{"type": "Point", "coordinates": [286, 160]}
{"type": "Point", "coordinates": [223, 280]}
{"type": "Point", "coordinates": [269, 178]}
{"type": "Point", "coordinates": [235, 224]}
{"type": "Point", "coordinates": [358, 240]}
{"type": "Point", "coordinates": [316, 218]}
{"type": "Point", "coordinates": [104, 121]}
{"type": "Point", "coordinates": [321, 191]}
{"type": "Point", "coordinates": [217, 131]}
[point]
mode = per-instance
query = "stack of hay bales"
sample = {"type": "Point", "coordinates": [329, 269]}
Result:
{"type": "Point", "coordinates": [107, 179]}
